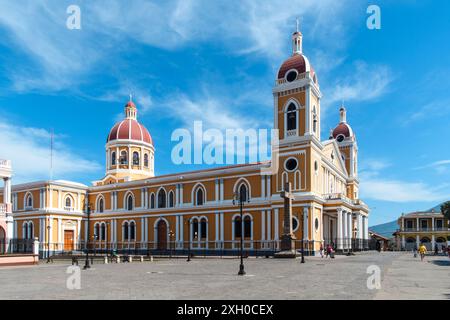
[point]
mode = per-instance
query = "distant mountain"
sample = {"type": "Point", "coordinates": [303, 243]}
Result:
{"type": "Point", "coordinates": [385, 229]}
{"type": "Point", "coordinates": [437, 208]}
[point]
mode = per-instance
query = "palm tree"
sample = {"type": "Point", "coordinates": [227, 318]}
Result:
{"type": "Point", "coordinates": [445, 210]}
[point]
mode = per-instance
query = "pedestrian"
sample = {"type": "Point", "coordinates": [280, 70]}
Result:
{"type": "Point", "coordinates": [422, 251]}
{"type": "Point", "coordinates": [415, 251]}
{"type": "Point", "coordinates": [321, 250]}
{"type": "Point", "coordinates": [329, 251]}
{"type": "Point", "coordinates": [436, 249]}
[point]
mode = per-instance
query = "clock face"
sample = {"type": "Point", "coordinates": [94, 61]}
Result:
{"type": "Point", "coordinates": [340, 138]}
{"type": "Point", "coordinates": [291, 76]}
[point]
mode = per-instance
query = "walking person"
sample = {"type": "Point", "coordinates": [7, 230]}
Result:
{"type": "Point", "coordinates": [321, 250]}
{"type": "Point", "coordinates": [415, 251]}
{"type": "Point", "coordinates": [422, 251]}
{"type": "Point", "coordinates": [436, 249]}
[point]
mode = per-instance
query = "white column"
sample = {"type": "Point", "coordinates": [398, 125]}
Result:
{"type": "Point", "coordinates": [146, 232]}
{"type": "Point", "coordinates": [263, 186]}
{"type": "Point", "coordinates": [221, 189]}
{"type": "Point", "coordinates": [350, 229]}
{"type": "Point", "coordinates": [216, 222]}
{"type": "Point", "coordinates": [403, 242]}
{"type": "Point", "coordinates": [344, 233]}
{"type": "Point", "coordinates": [305, 223]}
{"type": "Point", "coordinates": [432, 242]}
{"type": "Point", "coordinates": [59, 232]}
{"type": "Point", "coordinates": [275, 231]}
{"type": "Point", "coordinates": [143, 230]}
{"type": "Point", "coordinates": [417, 224]}
{"type": "Point", "coordinates": [268, 187]}
{"type": "Point", "coordinates": [366, 228]}
{"type": "Point", "coordinates": [417, 241]}
{"type": "Point", "coordinates": [263, 225]}
{"type": "Point", "coordinates": [181, 195]}
{"type": "Point", "coordinates": [339, 230]}
{"type": "Point", "coordinates": [222, 236]}
{"type": "Point", "coordinates": [269, 225]}
{"type": "Point", "coordinates": [432, 226]}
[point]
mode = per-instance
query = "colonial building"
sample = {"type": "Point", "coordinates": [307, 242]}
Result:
{"type": "Point", "coordinates": [5, 206]}
{"type": "Point", "coordinates": [133, 208]}
{"type": "Point", "coordinates": [427, 227]}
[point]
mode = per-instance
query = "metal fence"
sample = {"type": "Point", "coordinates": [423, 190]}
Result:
{"type": "Point", "coordinates": [11, 246]}
{"type": "Point", "coordinates": [256, 248]}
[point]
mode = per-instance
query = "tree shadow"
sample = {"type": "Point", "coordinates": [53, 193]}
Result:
{"type": "Point", "coordinates": [442, 263]}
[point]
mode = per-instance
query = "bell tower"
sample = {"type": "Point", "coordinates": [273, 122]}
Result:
{"type": "Point", "coordinates": [297, 96]}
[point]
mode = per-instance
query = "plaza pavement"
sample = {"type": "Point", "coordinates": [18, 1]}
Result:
{"type": "Point", "coordinates": [403, 277]}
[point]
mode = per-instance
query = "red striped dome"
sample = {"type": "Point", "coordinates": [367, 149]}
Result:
{"type": "Point", "coordinates": [129, 129]}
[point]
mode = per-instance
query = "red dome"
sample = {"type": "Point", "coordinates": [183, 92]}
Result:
{"type": "Point", "coordinates": [129, 129]}
{"type": "Point", "coordinates": [298, 62]}
{"type": "Point", "coordinates": [344, 129]}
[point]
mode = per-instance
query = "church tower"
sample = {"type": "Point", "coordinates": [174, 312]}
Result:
{"type": "Point", "coordinates": [296, 116]}
{"type": "Point", "coordinates": [346, 139]}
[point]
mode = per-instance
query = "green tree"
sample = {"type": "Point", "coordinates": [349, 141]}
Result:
{"type": "Point", "coordinates": [445, 210]}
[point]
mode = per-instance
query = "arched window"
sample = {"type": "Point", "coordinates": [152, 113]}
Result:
{"type": "Point", "coordinates": [291, 117]}
{"type": "Point", "coordinates": [146, 160]}
{"type": "Point", "coordinates": [203, 228]}
{"type": "Point", "coordinates": [123, 157]}
{"type": "Point", "coordinates": [162, 198]}
{"type": "Point", "coordinates": [29, 201]}
{"type": "Point", "coordinates": [125, 231]}
{"type": "Point", "coordinates": [101, 205]}
{"type": "Point", "coordinates": [152, 201]}
{"type": "Point", "coordinates": [129, 202]}
{"type": "Point", "coordinates": [96, 231]}
{"type": "Point", "coordinates": [314, 119]}
{"type": "Point", "coordinates": [199, 197]}
{"type": "Point", "coordinates": [237, 227]}
{"type": "Point", "coordinates": [113, 158]}
{"type": "Point", "coordinates": [25, 230]}
{"type": "Point", "coordinates": [68, 202]}
{"type": "Point", "coordinates": [135, 158]}
{"type": "Point", "coordinates": [132, 230]}
{"type": "Point", "coordinates": [195, 228]}
{"type": "Point", "coordinates": [243, 192]}
{"type": "Point", "coordinates": [247, 227]}
{"type": "Point", "coordinates": [103, 232]}
{"type": "Point", "coordinates": [171, 200]}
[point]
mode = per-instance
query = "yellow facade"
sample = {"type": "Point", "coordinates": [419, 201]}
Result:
{"type": "Point", "coordinates": [126, 204]}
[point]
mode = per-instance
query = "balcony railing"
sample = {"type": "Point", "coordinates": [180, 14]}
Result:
{"type": "Point", "coordinates": [5, 164]}
{"type": "Point", "coordinates": [423, 229]}
{"type": "Point", "coordinates": [5, 208]}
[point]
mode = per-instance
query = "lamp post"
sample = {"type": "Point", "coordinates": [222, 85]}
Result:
{"type": "Point", "coordinates": [240, 197]}
{"type": "Point", "coordinates": [88, 211]}
{"type": "Point", "coordinates": [171, 234]}
{"type": "Point", "coordinates": [189, 242]}
{"type": "Point", "coordinates": [48, 240]}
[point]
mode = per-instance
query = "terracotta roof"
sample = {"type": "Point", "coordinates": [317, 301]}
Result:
{"type": "Point", "coordinates": [342, 128]}
{"type": "Point", "coordinates": [129, 129]}
{"type": "Point", "coordinates": [298, 62]}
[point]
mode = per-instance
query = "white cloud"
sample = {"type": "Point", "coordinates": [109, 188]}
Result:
{"type": "Point", "coordinates": [441, 166]}
{"type": "Point", "coordinates": [365, 82]}
{"type": "Point", "coordinates": [401, 191]}
{"type": "Point", "coordinates": [29, 150]}
{"type": "Point", "coordinates": [63, 59]}
{"type": "Point", "coordinates": [433, 109]}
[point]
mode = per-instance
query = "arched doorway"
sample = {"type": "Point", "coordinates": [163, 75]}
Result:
{"type": "Point", "coordinates": [440, 242]}
{"type": "Point", "coordinates": [2, 241]}
{"type": "Point", "coordinates": [162, 235]}
{"type": "Point", "coordinates": [427, 242]}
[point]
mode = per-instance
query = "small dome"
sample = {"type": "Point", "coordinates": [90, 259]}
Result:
{"type": "Point", "coordinates": [298, 62]}
{"type": "Point", "coordinates": [342, 129]}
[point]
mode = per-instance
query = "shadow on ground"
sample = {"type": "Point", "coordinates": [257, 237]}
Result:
{"type": "Point", "coordinates": [442, 263]}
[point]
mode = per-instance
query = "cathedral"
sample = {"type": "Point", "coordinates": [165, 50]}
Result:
{"type": "Point", "coordinates": [131, 208]}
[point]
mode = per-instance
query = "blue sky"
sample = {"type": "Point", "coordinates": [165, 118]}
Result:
{"type": "Point", "coordinates": [216, 61]}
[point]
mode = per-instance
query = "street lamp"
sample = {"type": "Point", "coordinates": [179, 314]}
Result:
{"type": "Point", "coordinates": [48, 240]}
{"type": "Point", "coordinates": [240, 197]}
{"type": "Point", "coordinates": [171, 234]}
{"type": "Point", "coordinates": [189, 243]}
{"type": "Point", "coordinates": [88, 211]}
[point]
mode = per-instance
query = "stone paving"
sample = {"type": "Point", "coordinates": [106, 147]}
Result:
{"type": "Point", "coordinates": [266, 279]}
